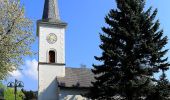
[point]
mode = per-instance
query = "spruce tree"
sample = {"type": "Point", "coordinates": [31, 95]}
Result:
{"type": "Point", "coordinates": [132, 52]}
{"type": "Point", "coordinates": [160, 90]}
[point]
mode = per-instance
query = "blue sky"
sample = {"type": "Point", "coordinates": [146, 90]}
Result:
{"type": "Point", "coordinates": [85, 19]}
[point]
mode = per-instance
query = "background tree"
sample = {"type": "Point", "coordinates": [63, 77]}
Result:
{"type": "Point", "coordinates": [133, 51]}
{"type": "Point", "coordinates": [15, 36]}
{"type": "Point", "coordinates": [30, 95]}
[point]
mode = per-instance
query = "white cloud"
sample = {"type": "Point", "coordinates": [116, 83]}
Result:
{"type": "Point", "coordinates": [16, 74]}
{"type": "Point", "coordinates": [31, 69]}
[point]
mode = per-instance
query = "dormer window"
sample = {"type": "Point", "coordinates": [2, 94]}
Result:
{"type": "Point", "coordinates": [51, 56]}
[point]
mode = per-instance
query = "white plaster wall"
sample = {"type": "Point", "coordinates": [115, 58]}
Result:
{"type": "Point", "coordinates": [72, 94]}
{"type": "Point", "coordinates": [44, 46]}
{"type": "Point", "coordinates": [48, 89]}
{"type": "Point", "coordinates": [48, 72]}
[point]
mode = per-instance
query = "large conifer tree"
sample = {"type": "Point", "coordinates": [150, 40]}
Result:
{"type": "Point", "coordinates": [133, 50]}
{"type": "Point", "coordinates": [160, 90]}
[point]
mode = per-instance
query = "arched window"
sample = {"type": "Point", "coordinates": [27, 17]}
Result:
{"type": "Point", "coordinates": [51, 56]}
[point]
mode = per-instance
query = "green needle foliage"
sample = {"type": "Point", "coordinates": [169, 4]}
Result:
{"type": "Point", "coordinates": [161, 90]}
{"type": "Point", "coordinates": [133, 51]}
{"type": "Point", "coordinates": [15, 36]}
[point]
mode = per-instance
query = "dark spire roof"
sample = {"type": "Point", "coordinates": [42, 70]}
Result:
{"type": "Point", "coordinates": [51, 11]}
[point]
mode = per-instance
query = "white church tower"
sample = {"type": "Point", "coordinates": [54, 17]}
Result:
{"type": "Point", "coordinates": [51, 33]}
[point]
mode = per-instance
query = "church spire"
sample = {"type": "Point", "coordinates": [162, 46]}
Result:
{"type": "Point", "coordinates": [51, 11]}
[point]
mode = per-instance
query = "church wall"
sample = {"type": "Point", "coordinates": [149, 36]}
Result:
{"type": "Point", "coordinates": [49, 71]}
{"type": "Point", "coordinates": [47, 81]}
{"type": "Point", "coordinates": [72, 94]}
{"type": "Point", "coordinates": [45, 47]}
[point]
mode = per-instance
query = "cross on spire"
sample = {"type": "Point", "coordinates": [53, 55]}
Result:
{"type": "Point", "coordinates": [51, 11]}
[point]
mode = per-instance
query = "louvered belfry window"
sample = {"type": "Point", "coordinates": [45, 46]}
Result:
{"type": "Point", "coordinates": [51, 57]}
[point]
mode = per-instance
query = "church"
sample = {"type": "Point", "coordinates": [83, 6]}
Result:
{"type": "Point", "coordinates": [55, 80]}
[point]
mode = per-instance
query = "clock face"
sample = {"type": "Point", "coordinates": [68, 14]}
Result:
{"type": "Point", "coordinates": [51, 38]}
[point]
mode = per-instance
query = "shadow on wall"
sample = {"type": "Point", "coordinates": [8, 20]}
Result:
{"type": "Point", "coordinates": [72, 94]}
{"type": "Point", "coordinates": [50, 93]}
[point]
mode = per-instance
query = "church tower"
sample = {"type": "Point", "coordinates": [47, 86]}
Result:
{"type": "Point", "coordinates": [51, 33]}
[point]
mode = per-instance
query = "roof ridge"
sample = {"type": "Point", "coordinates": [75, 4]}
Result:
{"type": "Point", "coordinates": [79, 68]}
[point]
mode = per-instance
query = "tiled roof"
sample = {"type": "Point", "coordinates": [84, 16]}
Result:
{"type": "Point", "coordinates": [76, 77]}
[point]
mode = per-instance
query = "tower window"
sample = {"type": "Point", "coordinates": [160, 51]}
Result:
{"type": "Point", "coordinates": [51, 57]}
